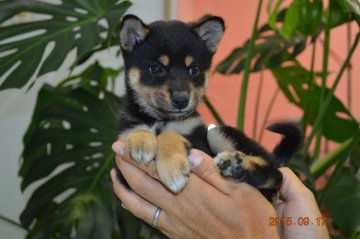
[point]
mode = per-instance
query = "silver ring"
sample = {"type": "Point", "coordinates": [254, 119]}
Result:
{"type": "Point", "coordinates": [156, 217]}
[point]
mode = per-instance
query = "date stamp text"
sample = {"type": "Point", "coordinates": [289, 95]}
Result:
{"type": "Point", "coordinates": [298, 221]}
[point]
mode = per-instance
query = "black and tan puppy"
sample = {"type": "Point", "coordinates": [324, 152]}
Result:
{"type": "Point", "coordinates": [167, 68]}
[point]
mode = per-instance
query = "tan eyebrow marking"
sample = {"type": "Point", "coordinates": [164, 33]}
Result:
{"type": "Point", "coordinates": [164, 59]}
{"type": "Point", "coordinates": [188, 60]}
{"type": "Point", "coordinates": [134, 75]}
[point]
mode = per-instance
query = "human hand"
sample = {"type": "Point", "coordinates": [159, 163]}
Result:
{"type": "Point", "coordinates": [209, 206]}
{"type": "Point", "coordinates": [299, 207]}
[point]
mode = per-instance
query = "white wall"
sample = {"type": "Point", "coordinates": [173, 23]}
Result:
{"type": "Point", "coordinates": [16, 108]}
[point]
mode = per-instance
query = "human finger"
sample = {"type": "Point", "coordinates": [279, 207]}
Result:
{"type": "Point", "coordinates": [145, 186]}
{"type": "Point", "coordinates": [120, 149]}
{"type": "Point", "coordinates": [138, 206]}
{"type": "Point", "coordinates": [204, 167]}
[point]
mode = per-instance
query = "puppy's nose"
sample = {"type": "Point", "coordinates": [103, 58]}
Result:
{"type": "Point", "coordinates": [180, 99]}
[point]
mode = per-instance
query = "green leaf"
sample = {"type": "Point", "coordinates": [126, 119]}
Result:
{"type": "Point", "coordinates": [337, 14]}
{"type": "Point", "coordinates": [310, 17]}
{"type": "Point", "coordinates": [350, 6]}
{"type": "Point", "coordinates": [319, 166]}
{"type": "Point", "coordinates": [68, 148]}
{"type": "Point", "coordinates": [275, 45]}
{"type": "Point", "coordinates": [294, 83]}
{"type": "Point", "coordinates": [270, 51]}
{"type": "Point", "coordinates": [273, 14]}
{"type": "Point", "coordinates": [343, 203]}
{"type": "Point", "coordinates": [355, 158]}
{"type": "Point", "coordinates": [237, 55]}
{"type": "Point", "coordinates": [291, 20]}
{"type": "Point", "coordinates": [69, 25]}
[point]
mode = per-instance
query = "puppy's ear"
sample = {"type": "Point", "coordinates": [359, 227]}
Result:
{"type": "Point", "coordinates": [210, 29]}
{"type": "Point", "coordinates": [132, 32]}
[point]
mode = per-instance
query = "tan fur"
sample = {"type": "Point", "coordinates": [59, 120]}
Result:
{"type": "Point", "coordinates": [247, 162]}
{"type": "Point", "coordinates": [197, 93]}
{"type": "Point", "coordinates": [251, 162]}
{"type": "Point", "coordinates": [134, 75]}
{"type": "Point", "coordinates": [165, 60]}
{"type": "Point", "coordinates": [188, 60]}
{"type": "Point", "coordinates": [171, 161]}
{"type": "Point", "coordinates": [141, 145]}
{"type": "Point", "coordinates": [207, 76]}
{"type": "Point", "coordinates": [148, 97]}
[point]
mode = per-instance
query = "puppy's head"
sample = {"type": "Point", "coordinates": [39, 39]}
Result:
{"type": "Point", "coordinates": [167, 63]}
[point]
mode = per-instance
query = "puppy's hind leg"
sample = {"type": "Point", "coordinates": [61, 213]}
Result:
{"type": "Point", "coordinates": [250, 169]}
{"type": "Point", "coordinates": [242, 159]}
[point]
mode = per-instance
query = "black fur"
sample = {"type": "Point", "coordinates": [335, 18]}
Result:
{"type": "Point", "coordinates": [291, 142]}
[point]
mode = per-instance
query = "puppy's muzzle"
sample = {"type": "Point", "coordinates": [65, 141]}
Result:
{"type": "Point", "coordinates": [180, 99]}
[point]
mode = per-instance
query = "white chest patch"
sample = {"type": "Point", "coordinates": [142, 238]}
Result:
{"type": "Point", "coordinates": [183, 127]}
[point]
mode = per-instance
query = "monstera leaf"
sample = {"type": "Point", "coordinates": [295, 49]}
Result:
{"type": "Point", "coordinates": [41, 46]}
{"type": "Point", "coordinates": [295, 84]}
{"type": "Point", "coordinates": [343, 203]}
{"type": "Point", "coordinates": [68, 156]}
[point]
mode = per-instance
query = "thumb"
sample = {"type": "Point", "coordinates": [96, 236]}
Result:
{"type": "Point", "coordinates": [204, 167]}
{"type": "Point", "coordinates": [292, 188]}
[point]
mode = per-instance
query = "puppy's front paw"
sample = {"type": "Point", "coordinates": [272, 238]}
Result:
{"type": "Point", "coordinates": [250, 169]}
{"type": "Point", "coordinates": [141, 145]}
{"type": "Point", "coordinates": [171, 162]}
{"type": "Point", "coordinates": [173, 171]}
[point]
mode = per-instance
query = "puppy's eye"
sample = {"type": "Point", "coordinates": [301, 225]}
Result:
{"type": "Point", "coordinates": [156, 69]}
{"type": "Point", "coordinates": [194, 70]}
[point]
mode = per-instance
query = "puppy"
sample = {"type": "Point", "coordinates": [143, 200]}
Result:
{"type": "Point", "coordinates": [167, 68]}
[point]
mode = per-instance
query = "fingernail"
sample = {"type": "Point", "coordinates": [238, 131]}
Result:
{"type": "Point", "coordinates": [118, 148]}
{"type": "Point", "coordinates": [195, 158]}
{"type": "Point", "coordinates": [123, 206]}
{"type": "Point", "coordinates": [112, 174]}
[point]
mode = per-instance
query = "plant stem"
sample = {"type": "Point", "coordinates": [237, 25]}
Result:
{"type": "Point", "coordinates": [213, 111]}
{"type": "Point", "coordinates": [319, 166]}
{"type": "Point", "coordinates": [250, 53]}
{"type": "Point", "coordinates": [340, 163]}
{"type": "Point", "coordinates": [317, 143]}
{"type": "Point", "coordinates": [12, 222]}
{"type": "Point", "coordinates": [324, 74]}
{"type": "Point", "coordinates": [310, 85]}
{"type": "Point", "coordinates": [267, 114]}
{"type": "Point", "coordinates": [349, 71]}
{"type": "Point", "coordinates": [328, 98]}
{"type": "Point", "coordinates": [257, 103]}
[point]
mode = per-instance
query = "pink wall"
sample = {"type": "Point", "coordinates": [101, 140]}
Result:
{"type": "Point", "coordinates": [224, 91]}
